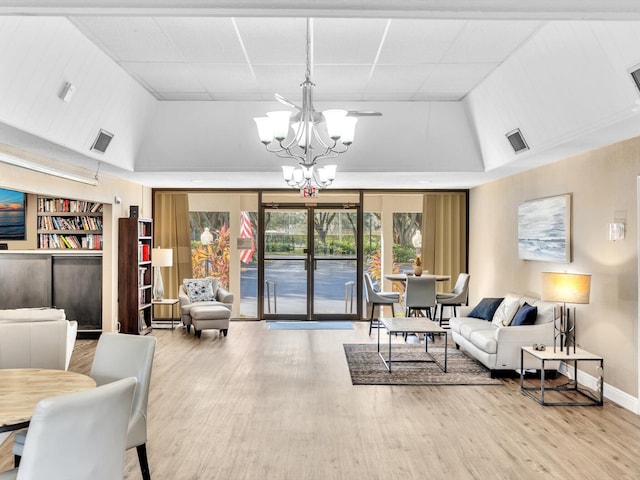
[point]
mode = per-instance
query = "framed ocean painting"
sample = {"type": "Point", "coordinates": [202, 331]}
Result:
{"type": "Point", "coordinates": [544, 229]}
{"type": "Point", "coordinates": [12, 215]}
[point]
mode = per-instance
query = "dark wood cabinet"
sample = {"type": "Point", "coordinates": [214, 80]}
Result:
{"type": "Point", "coordinates": [135, 285]}
{"type": "Point", "coordinates": [70, 281]}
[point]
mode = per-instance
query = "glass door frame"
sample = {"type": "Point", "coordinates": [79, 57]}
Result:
{"type": "Point", "coordinates": [311, 207]}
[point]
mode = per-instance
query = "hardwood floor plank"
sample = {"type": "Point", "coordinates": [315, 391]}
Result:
{"type": "Point", "coordinates": [264, 404]}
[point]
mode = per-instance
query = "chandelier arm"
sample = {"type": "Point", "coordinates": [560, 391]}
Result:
{"type": "Point", "coordinates": [320, 140]}
{"type": "Point", "coordinates": [319, 181]}
{"type": "Point", "coordinates": [330, 153]}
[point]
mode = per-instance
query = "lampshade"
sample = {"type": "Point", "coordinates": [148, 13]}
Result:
{"type": "Point", "coordinates": [334, 119]}
{"type": "Point", "coordinates": [162, 257]}
{"type": "Point", "coordinates": [279, 123]}
{"type": "Point", "coordinates": [566, 287]}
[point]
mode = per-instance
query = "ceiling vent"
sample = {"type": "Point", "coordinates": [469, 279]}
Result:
{"type": "Point", "coordinates": [517, 141]}
{"type": "Point", "coordinates": [635, 74]}
{"type": "Point", "coordinates": [102, 141]}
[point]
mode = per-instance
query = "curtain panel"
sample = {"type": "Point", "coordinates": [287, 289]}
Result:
{"type": "Point", "coordinates": [444, 235]}
{"type": "Point", "coordinates": [171, 230]}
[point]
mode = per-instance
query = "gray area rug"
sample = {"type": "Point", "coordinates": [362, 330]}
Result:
{"type": "Point", "coordinates": [366, 367]}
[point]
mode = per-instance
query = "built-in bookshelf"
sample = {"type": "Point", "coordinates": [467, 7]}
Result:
{"type": "Point", "coordinates": [65, 223]}
{"type": "Point", "coordinates": [135, 281]}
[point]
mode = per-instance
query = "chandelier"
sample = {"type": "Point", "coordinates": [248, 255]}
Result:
{"type": "Point", "coordinates": [308, 136]}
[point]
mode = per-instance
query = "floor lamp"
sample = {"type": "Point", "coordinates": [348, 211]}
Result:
{"type": "Point", "coordinates": [160, 257]}
{"type": "Point", "coordinates": [565, 288]}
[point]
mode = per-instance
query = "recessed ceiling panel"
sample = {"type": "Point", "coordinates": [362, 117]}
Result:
{"type": "Point", "coordinates": [456, 79]}
{"type": "Point", "coordinates": [130, 39]}
{"type": "Point", "coordinates": [339, 41]}
{"type": "Point", "coordinates": [218, 78]}
{"type": "Point", "coordinates": [165, 77]}
{"type": "Point", "coordinates": [489, 41]}
{"type": "Point", "coordinates": [203, 39]}
{"type": "Point", "coordinates": [419, 41]}
{"type": "Point", "coordinates": [273, 41]}
{"type": "Point", "coordinates": [399, 78]}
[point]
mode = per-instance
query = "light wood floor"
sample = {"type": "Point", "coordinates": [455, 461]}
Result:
{"type": "Point", "coordinates": [263, 404]}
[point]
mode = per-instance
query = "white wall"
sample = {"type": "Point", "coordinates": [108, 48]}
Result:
{"type": "Point", "coordinates": [38, 55]}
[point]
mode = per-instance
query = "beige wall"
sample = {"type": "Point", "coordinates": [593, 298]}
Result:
{"type": "Point", "coordinates": [603, 184]}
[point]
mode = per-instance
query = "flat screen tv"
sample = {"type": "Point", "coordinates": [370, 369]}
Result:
{"type": "Point", "coordinates": [12, 215]}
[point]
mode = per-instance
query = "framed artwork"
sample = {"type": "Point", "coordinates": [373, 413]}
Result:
{"type": "Point", "coordinates": [544, 229]}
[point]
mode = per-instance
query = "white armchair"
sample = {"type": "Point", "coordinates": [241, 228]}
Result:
{"type": "Point", "coordinates": [218, 296]}
{"type": "Point", "coordinates": [36, 338]}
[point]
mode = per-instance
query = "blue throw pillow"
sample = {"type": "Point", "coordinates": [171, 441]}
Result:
{"type": "Point", "coordinates": [486, 308]}
{"type": "Point", "coordinates": [526, 315]}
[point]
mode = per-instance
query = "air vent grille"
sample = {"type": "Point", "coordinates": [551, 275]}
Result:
{"type": "Point", "coordinates": [517, 141]}
{"type": "Point", "coordinates": [636, 77]}
{"type": "Point", "coordinates": [102, 141]}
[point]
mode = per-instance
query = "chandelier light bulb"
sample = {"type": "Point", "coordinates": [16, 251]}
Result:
{"type": "Point", "coordinates": [330, 172]}
{"type": "Point", "coordinates": [265, 130]}
{"type": "Point", "coordinates": [287, 172]}
{"type": "Point", "coordinates": [335, 119]}
{"type": "Point", "coordinates": [348, 130]}
{"type": "Point", "coordinates": [280, 123]}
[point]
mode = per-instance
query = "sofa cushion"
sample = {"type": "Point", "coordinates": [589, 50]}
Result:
{"type": "Point", "coordinates": [486, 308]}
{"type": "Point", "coordinates": [37, 314]}
{"type": "Point", "coordinates": [201, 289]}
{"type": "Point", "coordinates": [506, 311]}
{"type": "Point", "coordinates": [465, 326]}
{"type": "Point", "coordinates": [547, 311]}
{"type": "Point", "coordinates": [526, 315]}
{"type": "Point", "coordinates": [485, 339]}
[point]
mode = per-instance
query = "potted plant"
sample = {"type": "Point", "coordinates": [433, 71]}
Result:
{"type": "Point", "coordinates": [417, 266]}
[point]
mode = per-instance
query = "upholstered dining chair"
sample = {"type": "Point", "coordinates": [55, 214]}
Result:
{"type": "Point", "coordinates": [456, 297]}
{"type": "Point", "coordinates": [378, 299]}
{"type": "Point", "coordinates": [119, 356]}
{"type": "Point", "coordinates": [420, 294]}
{"type": "Point", "coordinates": [78, 436]}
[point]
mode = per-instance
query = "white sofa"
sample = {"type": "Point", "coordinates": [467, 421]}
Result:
{"type": "Point", "coordinates": [498, 347]}
{"type": "Point", "coordinates": [36, 338]}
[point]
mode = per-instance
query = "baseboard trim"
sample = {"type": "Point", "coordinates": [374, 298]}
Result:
{"type": "Point", "coordinates": [611, 393]}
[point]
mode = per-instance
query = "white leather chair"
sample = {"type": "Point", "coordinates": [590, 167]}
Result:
{"type": "Point", "coordinates": [457, 297]}
{"type": "Point", "coordinates": [420, 294]}
{"type": "Point", "coordinates": [378, 299]}
{"type": "Point", "coordinates": [119, 356]}
{"type": "Point", "coordinates": [78, 436]}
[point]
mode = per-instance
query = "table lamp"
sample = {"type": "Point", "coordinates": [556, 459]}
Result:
{"type": "Point", "coordinates": [565, 288]}
{"type": "Point", "coordinates": [160, 257]}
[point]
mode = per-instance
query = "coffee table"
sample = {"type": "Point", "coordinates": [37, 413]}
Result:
{"type": "Point", "coordinates": [412, 325]}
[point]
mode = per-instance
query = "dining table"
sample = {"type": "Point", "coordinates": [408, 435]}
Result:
{"type": "Point", "coordinates": [402, 277]}
{"type": "Point", "coordinates": [22, 388]}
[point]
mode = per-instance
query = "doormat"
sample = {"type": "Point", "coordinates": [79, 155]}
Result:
{"type": "Point", "coordinates": [366, 367]}
{"type": "Point", "coordinates": [308, 325]}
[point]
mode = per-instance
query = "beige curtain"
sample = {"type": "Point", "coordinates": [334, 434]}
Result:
{"type": "Point", "coordinates": [171, 230]}
{"type": "Point", "coordinates": [444, 235]}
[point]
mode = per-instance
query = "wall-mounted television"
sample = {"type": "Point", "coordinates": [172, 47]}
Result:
{"type": "Point", "coordinates": [12, 215]}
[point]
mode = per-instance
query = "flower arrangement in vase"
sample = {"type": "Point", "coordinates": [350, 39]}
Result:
{"type": "Point", "coordinates": [417, 267]}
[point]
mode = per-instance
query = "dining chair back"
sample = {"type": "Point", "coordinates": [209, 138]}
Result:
{"type": "Point", "coordinates": [379, 299]}
{"type": "Point", "coordinates": [119, 356]}
{"type": "Point", "coordinates": [78, 436]}
{"type": "Point", "coordinates": [420, 294]}
{"type": "Point", "coordinates": [455, 298]}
